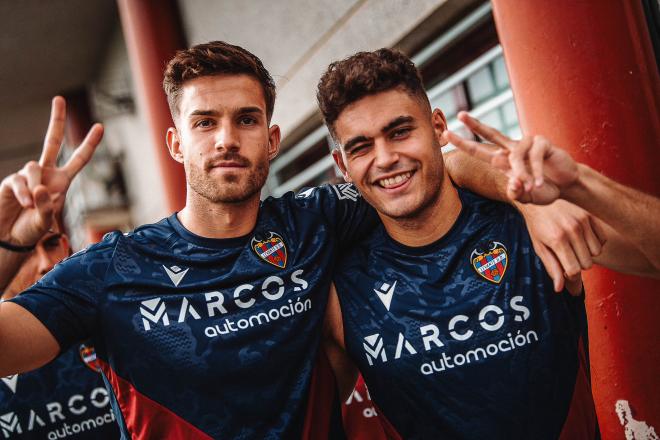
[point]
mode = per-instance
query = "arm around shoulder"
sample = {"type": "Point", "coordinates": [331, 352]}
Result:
{"type": "Point", "coordinates": [631, 217]}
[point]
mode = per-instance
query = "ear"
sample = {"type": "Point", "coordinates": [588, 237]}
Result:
{"type": "Point", "coordinates": [274, 136]}
{"type": "Point", "coordinates": [439, 123]}
{"type": "Point", "coordinates": [339, 160]}
{"type": "Point", "coordinates": [174, 144]}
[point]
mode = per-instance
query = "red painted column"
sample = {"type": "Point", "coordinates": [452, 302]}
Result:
{"type": "Point", "coordinates": [153, 34]}
{"type": "Point", "coordinates": [79, 117]}
{"type": "Point", "coordinates": [583, 73]}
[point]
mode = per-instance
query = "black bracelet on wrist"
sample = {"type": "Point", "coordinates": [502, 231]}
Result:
{"type": "Point", "coordinates": [16, 247]}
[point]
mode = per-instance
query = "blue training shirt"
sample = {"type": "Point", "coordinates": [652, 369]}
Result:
{"type": "Point", "coordinates": [65, 399]}
{"type": "Point", "coordinates": [207, 338]}
{"type": "Point", "coordinates": [465, 338]}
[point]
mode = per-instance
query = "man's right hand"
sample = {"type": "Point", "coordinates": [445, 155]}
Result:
{"type": "Point", "coordinates": [29, 197]}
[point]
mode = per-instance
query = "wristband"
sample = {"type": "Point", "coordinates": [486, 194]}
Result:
{"type": "Point", "coordinates": [16, 247]}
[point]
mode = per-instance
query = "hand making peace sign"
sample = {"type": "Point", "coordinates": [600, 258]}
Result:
{"type": "Point", "coordinates": [538, 170]}
{"type": "Point", "coordinates": [29, 197]}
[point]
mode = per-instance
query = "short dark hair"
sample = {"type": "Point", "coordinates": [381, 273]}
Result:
{"type": "Point", "coordinates": [364, 74]}
{"type": "Point", "coordinates": [215, 58]}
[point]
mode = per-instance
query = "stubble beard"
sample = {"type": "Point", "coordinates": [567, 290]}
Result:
{"type": "Point", "coordinates": [229, 188]}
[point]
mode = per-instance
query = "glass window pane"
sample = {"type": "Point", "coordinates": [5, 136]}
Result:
{"type": "Point", "coordinates": [501, 76]}
{"type": "Point", "coordinates": [493, 119]}
{"type": "Point", "coordinates": [509, 112]}
{"type": "Point", "coordinates": [514, 132]}
{"type": "Point", "coordinates": [447, 103]}
{"type": "Point", "coordinates": [481, 85]}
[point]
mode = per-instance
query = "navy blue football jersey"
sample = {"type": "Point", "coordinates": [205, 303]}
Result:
{"type": "Point", "coordinates": [207, 338]}
{"type": "Point", "coordinates": [465, 338]}
{"type": "Point", "coordinates": [63, 399]}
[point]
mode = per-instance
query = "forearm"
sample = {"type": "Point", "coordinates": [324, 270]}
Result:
{"type": "Point", "coordinates": [628, 211]}
{"type": "Point", "coordinates": [476, 175]}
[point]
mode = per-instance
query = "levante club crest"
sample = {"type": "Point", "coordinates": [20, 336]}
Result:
{"type": "Point", "coordinates": [490, 261]}
{"type": "Point", "coordinates": [271, 249]}
{"type": "Point", "coordinates": [88, 356]}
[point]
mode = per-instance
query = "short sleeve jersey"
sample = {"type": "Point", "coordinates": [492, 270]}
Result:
{"type": "Point", "coordinates": [465, 338]}
{"type": "Point", "coordinates": [207, 338]}
{"type": "Point", "coordinates": [64, 399]}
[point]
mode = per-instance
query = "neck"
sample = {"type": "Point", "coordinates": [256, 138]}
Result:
{"type": "Point", "coordinates": [219, 220]}
{"type": "Point", "coordinates": [429, 225]}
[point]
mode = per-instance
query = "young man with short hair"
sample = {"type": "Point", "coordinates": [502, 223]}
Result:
{"type": "Point", "coordinates": [445, 307]}
{"type": "Point", "coordinates": [207, 323]}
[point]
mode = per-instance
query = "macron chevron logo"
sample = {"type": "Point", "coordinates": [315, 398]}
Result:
{"type": "Point", "coordinates": [10, 381]}
{"type": "Point", "coordinates": [9, 424]}
{"type": "Point", "coordinates": [385, 293]}
{"type": "Point", "coordinates": [346, 191]}
{"type": "Point", "coordinates": [176, 274]}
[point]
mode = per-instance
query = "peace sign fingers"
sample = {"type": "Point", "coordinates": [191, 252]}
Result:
{"type": "Point", "coordinates": [55, 133]}
{"type": "Point", "coordinates": [486, 132]}
{"type": "Point", "coordinates": [485, 152]}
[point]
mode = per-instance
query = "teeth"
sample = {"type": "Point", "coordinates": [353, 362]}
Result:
{"type": "Point", "coordinates": [396, 180]}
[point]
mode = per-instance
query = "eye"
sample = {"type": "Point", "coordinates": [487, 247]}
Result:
{"type": "Point", "coordinates": [358, 149]}
{"type": "Point", "coordinates": [52, 242]}
{"type": "Point", "coordinates": [204, 123]}
{"type": "Point", "coordinates": [400, 132]}
{"type": "Point", "coordinates": [247, 120]}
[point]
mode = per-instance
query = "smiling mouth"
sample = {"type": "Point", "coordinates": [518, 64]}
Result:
{"type": "Point", "coordinates": [395, 181]}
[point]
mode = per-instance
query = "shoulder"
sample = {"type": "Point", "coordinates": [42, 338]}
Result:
{"type": "Point", "coordinates": [328, 200]}
{"type": "Point", "coordinates": [487, 210]}
{"type": "Point", "coordinates": [310, 196]}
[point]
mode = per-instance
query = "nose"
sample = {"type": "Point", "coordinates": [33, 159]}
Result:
{"type": "Point", "coordinates": [385, 155]}
{"type": "Point", "coordinates": [226, 137]}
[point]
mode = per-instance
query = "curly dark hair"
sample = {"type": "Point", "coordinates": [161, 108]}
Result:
{"type": "Point", "coordinates": [214, 58]}
{"type": "Point", "coordinates": [363, 74]}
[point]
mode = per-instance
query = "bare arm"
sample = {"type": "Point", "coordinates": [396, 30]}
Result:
{"type": "Point", "coordinates": [540, 172]}
{"type": "Point", "coordinates": [25, 343]}
{"type": "Point", "coordinates": [345, 370]}
{"type": "Point", "coordinates": [623, 208]}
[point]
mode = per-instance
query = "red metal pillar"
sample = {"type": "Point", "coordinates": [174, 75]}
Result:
{"type": "Point", "coordinates": [79, 117]}
{"type": "Point", "coordinates": [153, 34]}
{"type": "Point", "coordinates": [583, 73]}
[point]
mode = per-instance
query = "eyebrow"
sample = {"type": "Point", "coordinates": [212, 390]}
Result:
{"type": "Point", "coordinates": [396, 122]}
{"type": "Point", "coordinates": [241, 111]}
{"type": "Point", "coordinates": [400, 120]}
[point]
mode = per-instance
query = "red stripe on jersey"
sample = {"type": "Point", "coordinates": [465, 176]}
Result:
{"type": "Point", "coordinates": [356, 424]}
{"type": "Point", "coordinates": [322, 392]}
{"type": "Point", "coordinates": [144, 418]}
{"type": "Point", "coordinates": [581, 422]}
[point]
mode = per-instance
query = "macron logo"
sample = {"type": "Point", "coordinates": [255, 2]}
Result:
{"type": "Point", "coordinates": [153, 311]}
{"type": "Point", "coordinates": [10, 381]}
{"type": "Point", "coordinates": [385, 293]}
{"type": "Point", "coordinates": [176, 274]}
{"type": "Point", "coordinates": [9, 424]}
